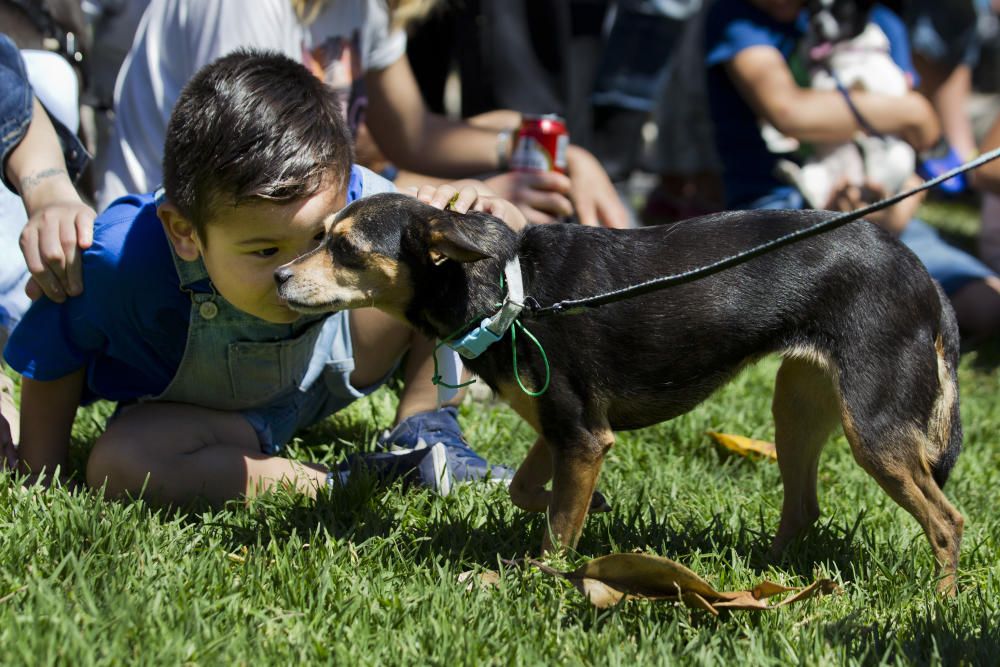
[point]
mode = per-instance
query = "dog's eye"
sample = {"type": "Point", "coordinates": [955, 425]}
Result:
{"type": "Point", "coordinates": [342, 248]}
{"type": "Point", "coordinates": [346, 254]}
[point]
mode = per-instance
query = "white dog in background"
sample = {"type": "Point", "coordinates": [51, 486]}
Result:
{"type": "Point", "coordinates": [860, 63]}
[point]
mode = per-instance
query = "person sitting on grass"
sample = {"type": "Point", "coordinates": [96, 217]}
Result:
{"type": "Point", "coordinates": [181, 323]}
{"type": "Point", "coordinates": [748, 46]}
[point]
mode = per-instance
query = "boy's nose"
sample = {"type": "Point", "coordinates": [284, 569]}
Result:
{"type": "Point", "coordinates": [282, 274]}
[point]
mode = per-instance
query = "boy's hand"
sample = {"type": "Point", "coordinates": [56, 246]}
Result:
{"type": "Point", "coordinates": [471, 195]}
{"type": "Point", "coordinates": [51, 243]}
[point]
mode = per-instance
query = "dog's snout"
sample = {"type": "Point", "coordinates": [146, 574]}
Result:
{"type": "Point", "coordinates": [282, 274]}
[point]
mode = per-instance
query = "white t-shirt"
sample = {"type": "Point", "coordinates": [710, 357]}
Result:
{"type": "Point", "coordinates": [177, 37]}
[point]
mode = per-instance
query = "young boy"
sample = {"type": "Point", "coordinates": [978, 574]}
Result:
{"type": "Point", "coordinates": [181, 323]}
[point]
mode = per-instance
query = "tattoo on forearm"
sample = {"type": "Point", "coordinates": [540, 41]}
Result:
{"type": "Point", "coordinates": [31, 180]}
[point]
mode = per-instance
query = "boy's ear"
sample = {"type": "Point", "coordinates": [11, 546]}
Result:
{"type": "Point", "coordinates": [181, 232]}
{"type": "Point", "coordinates": [449, 239]}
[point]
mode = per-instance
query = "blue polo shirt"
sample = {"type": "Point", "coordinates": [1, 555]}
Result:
{"type": "Point", "coordinates": [129, 327]}
{"type": "Point", "coordinates": [731, 27]}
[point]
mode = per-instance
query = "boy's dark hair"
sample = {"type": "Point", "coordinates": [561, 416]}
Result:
{"type": "Point", "coordinates": [253, 125]}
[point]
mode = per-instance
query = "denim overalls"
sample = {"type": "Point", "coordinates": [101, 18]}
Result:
{"type": "Point", "coordinates": [281, 377]}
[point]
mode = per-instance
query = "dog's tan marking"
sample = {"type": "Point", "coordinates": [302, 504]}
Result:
{"type": "Point", "coordinates": [900, 467]}
{"type": "Point", "coordinates": [575, 468]}
{"type": "Point", "coordinates": [343, 225]}
{"type": "Point", "coordinates": [812, 355]}
{"type": "Point", "coordinates": [389, 284]}
{"type": "Point", "coordinates": [939, 424]}
{"type": "Point", "coordinates": [806, 409]}
{"type": "Point", "coordinates": [525, 406]}
{"type": "Point", "coordinates": [312, 268]}
{"type": "Point", "coordinates": [359, 241]}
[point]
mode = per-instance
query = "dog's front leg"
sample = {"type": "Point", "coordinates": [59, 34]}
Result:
{"type": "Point", "coordinates": [527, 489]}
{"type": "Point", "coordinates": [576, 463]}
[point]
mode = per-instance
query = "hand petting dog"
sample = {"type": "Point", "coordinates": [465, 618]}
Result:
{"type": "Point", "coordinates": [471, 195]}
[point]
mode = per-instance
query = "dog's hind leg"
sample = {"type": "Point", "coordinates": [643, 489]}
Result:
{"type": "Point", "coordinates": [902, 470]}
{"type": "Point", "coordinates": [910, 463]}
{"type": "Point", "coordinates": [576, 465]}
{"type": "Point", "coordinates": [806, 409]}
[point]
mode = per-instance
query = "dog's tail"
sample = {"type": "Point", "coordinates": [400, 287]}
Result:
{"type": "Point", "coordinates": [945, 423]}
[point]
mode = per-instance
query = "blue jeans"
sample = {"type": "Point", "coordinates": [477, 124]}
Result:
{"type": "Point", "coordinates": [950, 266]}
{"type": "Point", "coordinates": [639, 52]}
{"type": "Point", "coordinates": [943, 32]}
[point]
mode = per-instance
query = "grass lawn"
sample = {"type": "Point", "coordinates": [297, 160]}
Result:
{"type": "Point", "coordinates": [369, 575]}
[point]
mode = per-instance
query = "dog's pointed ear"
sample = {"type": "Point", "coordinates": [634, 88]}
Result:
{"type": "Point", "coordinates": [450, 238]}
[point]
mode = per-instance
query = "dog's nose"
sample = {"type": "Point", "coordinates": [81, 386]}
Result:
{"type": "Point", "coordinates": [282, 274]}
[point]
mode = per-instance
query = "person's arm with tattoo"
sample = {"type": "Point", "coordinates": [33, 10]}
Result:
{"type": "Point", "coordinates": [60, 224]}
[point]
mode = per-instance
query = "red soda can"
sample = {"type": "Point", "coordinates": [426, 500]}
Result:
{"type": "Point", "coordinates": [541, 144]}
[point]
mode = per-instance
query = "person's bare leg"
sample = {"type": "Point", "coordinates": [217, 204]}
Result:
{"type": "Point", "coordinates": [951, 99]}
{"type": "Point", "coordinates": [977, 308]}
{"type": "Point", "coordinates": [174, 453]}
{"type": "Point", "coordinates": [379, 341]}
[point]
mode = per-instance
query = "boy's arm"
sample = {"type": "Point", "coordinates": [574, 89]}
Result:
{"type": "Point", "coordinates": [765, 81]}
{"type": "Point", "coordinates": [47, 413]}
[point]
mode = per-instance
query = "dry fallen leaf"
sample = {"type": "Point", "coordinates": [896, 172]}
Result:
{"type": "Point", "coordinates": [239, 556]}
{"type": "Point", "coordinates": [745, 446]}
{"type": "Point", "coordinates": [608, 580]}
{"type": "Point", "coordinates": [485, 579]}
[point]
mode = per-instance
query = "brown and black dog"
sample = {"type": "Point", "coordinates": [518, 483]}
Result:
{"type": "Point", "coordinates": [869, 341]}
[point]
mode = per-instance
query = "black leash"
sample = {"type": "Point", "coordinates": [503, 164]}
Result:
{"type": "Point", "coordinates": [533, 309]}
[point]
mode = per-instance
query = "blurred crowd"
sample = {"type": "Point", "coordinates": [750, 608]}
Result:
{"type": "Point", "coordinates": [707, 104]}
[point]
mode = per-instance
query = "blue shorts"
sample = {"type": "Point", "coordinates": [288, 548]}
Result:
{"type": "Point", "coordinates": [950, 266]}
{"type": "Point", "coordinates": [275, 424]}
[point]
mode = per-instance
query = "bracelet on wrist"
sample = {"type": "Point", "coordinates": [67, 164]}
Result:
{"type": "Point", "coordinates": [504, 140]}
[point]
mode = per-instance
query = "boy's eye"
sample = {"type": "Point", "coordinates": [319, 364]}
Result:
{"type": "Point", "coordinates": [265, 252]}
{"type": "Point", "coordinates": [319, 236]}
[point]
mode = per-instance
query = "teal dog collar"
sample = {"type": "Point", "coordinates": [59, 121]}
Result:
{"type": "Point", "coordinates": [493, 328]}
